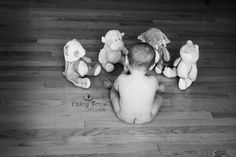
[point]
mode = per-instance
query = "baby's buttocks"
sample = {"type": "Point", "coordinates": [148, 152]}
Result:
{"type": "Point", "coordinates": [132, 118]}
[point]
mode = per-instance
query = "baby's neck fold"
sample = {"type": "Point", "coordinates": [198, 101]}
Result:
{"type": "Point", "coordinates": [137, 72]}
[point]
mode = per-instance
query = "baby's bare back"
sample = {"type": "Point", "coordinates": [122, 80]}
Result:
{"type": "Point", "coordinates": [137, 94]}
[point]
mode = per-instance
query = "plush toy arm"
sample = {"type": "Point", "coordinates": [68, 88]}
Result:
{"type": "Point", "coordinates": [176, 62]}
{"type": "Point", "coordinates": [87, 59]}
{"type": "Point", "coordinates": [166, 54]}
{"type": "Point", "coordinates": [125, 51]}
{"type": "Point", "coordinates": [193, 72]}
{"type": "Point", "coordinates": [102, 56]}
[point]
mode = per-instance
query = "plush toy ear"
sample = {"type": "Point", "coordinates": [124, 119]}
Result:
{"type": "Point", "coordinates": [103, 39]}
{"type": "Point", "coordinates": [189, 42]}
{"type": "Point", "coordinates": [153, 44]}
{"type": "Point", "coordinates": [197, 47]}
{"type": "Point", "coordinates": [166, 54]}
{"type": "Point", "coordinates": [140, 37]}
{"type": "Point", "coordinates": [166, 40]}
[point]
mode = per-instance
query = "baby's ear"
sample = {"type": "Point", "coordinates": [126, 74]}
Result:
{"type": "Point", "coordinates": [103, 39]}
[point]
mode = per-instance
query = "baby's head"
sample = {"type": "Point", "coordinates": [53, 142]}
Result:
{"type": "Point", "coordinates": [141, 56]}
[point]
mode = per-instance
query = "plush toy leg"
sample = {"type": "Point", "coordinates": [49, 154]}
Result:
{"type": "Point", "coordinates": [184, 83]}
{"type": "Point", "coordinates": [81, 68]}
{"type": "Point", "coordinates": [94, 69]}
{"type": "Point", "coordinates": [82, 82]}
{"type": "Point", "coordinates": [97, 70]}
{"type": "Point", "coordinates": [168, 72]}
{"type": "Point", "coordinates": [103, 60]}
{"type": "Point", "coordinates": [109, 67]}
{"type": "Point", "coordinates": [158, 70]}
{"type": "Point", "coordinates": [77, 81]}
{"type": "Point", "coordinates": [73, 76]}
{"type": "Point", "coordinates": [159, 67]}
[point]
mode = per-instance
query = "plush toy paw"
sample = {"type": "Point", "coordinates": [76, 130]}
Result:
{"type": "Point", "coordinates": [97, 70]}
{"type": "Point", "coordinates": [158, 70]}
{"type": "Point", "coordinates": [184, 83]}
{"type": "Point", "coordinates": [82, 82]}
{"type": "Point", "coordinates": [109, 67]}
{"type": "Point", "coordinates": [168, 72]}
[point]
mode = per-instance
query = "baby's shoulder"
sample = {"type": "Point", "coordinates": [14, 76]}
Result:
{"type": "Point", "coordinates": [121, 78]}
{"type": "Point", "coordinates": [152, 79]}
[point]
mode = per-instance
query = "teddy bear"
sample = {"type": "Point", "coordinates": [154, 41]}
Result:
{"type": "Point", "coordinates": [77, 65]}
{"type": "Point", "coordinates": [158, 41]}
{"type": "Point", "coordinates": [113, 51]}
{"type": "Point", "coordinates": [185, 67]}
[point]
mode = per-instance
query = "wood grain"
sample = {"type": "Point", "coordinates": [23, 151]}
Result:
{"type": "Point", "coordinates": [42, 114]}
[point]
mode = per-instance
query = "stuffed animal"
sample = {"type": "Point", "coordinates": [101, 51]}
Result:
{"type": "Point", "coordinates": [158, 41]}
{"type": "Point", "coordinates": [185, 67]}
{"type": "Point", "coordinates": [77, 65]}
{"type": "Point", "coordinates": [113, 51]}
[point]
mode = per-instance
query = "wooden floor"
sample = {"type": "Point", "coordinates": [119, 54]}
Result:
{"type": "Point", "coordinates": [42, 114]}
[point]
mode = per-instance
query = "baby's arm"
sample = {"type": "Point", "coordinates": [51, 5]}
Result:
{"type": "Point", "coordinates": [158, 99]}
{"type": "Point", "coordinates": [115, 96]}
{"type": "Point", "coordinates": [159, 86]}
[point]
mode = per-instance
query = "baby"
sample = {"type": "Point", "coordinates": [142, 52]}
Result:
{"type": "Point", "coordinates": [134, 96]}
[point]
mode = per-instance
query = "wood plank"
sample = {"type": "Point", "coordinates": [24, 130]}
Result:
{"type": "Point", "coordinates": [164, 122]}
{"type": "Point", "coordinates": [75, 119]}
{"type": "Point", "coordinates": [75, 149]}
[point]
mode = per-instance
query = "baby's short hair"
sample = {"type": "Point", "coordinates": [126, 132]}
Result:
{"type": "Point", "coordinates": [141, 55]}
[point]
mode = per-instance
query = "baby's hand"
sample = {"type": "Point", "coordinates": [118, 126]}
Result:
{"type": "Point", "coordinates": [107, 83]}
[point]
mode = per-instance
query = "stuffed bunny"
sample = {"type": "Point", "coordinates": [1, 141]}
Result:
{"type": "Point", "coordinates": [77, 65]}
